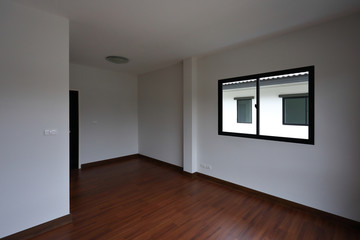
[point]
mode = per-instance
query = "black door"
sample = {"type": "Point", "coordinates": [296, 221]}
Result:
{"type": "Point", "coordinates": [74, 129]}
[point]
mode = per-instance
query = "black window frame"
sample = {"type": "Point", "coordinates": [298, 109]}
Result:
{"type": "Point", "coordinates": [311, 104]}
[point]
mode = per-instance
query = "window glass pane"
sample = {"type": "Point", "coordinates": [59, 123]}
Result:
{"type": "Point", "coordinates": [272, 88]}
{"type": "Point", "coordinates": [295, 111]}
{"type": "Point", "coordinates": [244, 111]}
{"type": "Point", "coordinates": [276, 105]}
{"type": "Point", "coordinates": [238, 106]}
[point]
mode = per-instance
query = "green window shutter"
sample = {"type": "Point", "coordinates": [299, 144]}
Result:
{"type": "Point", "coordinates": [244, 111]}
{"type": "Point", "coordinates": [295, 111]}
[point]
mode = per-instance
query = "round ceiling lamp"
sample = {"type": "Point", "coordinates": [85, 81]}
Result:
{"type": "Point", "coordinates": [117, 59]}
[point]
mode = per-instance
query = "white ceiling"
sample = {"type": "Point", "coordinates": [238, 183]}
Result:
{"type": "Point", "coordinates": [156, 33]}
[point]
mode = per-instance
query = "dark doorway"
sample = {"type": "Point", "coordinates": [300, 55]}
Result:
{"type": "Point", "coordinates": [74, 129]}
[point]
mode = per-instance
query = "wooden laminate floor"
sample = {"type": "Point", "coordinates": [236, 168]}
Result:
{"type": "Point", "coordinates": [139, 199]}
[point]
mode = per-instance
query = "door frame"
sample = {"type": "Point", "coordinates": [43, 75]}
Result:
{"type": "Point", "coordinates": [78, 132]}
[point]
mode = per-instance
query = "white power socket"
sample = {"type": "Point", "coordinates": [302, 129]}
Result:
{"type": "Point", "coordinates": [206, 166]}
{"type": "Point", "coordinates": [50, 132]}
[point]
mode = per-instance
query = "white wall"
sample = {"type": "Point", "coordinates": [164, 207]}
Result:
{"type": "Point", "coordinates": [325, 175]}
{"type": "Point", "coordinates": [108, 113]}
{"type": "Point", "coordinates": [34, 83]}
{"type": "Point", "coordinates": [160, 115]}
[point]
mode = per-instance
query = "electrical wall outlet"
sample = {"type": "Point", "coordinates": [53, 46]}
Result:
{"type": "Point", "coordinates": [50, 132]}
{"type": "Point", "coordinates": [206, 166]}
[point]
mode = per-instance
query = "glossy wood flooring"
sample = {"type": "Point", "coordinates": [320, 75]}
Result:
{"type": "Point", "coordinates": [139, 199]}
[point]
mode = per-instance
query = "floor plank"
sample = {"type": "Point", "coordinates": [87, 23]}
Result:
{"type": "Point", "coordinates": [138, 199]}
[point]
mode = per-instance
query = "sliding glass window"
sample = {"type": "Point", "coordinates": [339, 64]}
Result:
{"type": "Point", "coordinates": [275, 106]}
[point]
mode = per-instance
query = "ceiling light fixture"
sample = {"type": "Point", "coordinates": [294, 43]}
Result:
{"type": "Point", "coordinates": [117, 59]}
